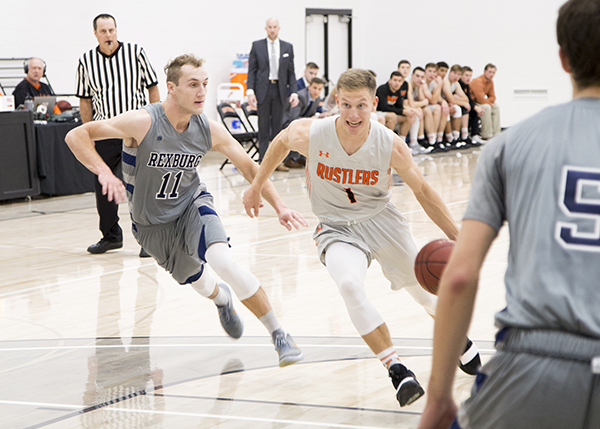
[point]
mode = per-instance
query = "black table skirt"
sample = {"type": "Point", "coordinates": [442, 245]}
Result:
{"type": "Point", "coordinates": [59, 171]}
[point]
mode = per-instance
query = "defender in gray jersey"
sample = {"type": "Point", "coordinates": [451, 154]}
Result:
{"type": "Point", "coordinates": [542, 176]}
{"type": "Point", "coordinates": [349, 161]}
{"type": "Point", "coordinates": [172, 211]}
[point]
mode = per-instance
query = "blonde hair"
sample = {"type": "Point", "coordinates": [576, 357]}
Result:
{"type": "Point", "coordinates": [357, 79]}
{"type": "Point", "coordinates": [173, 68]}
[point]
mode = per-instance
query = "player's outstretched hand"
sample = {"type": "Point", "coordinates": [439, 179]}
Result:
{"type": "Point", "coordinates": [289, 217]}
{"type": "Point", "coordinates": [438, 414]}
{"type": "Point", "coordinates": [252, 201]}
{"type": "Point", "coordinates": [112, 186]}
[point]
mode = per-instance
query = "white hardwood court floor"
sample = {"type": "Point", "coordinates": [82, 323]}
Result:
{"type": "Point", "coordinates": [112, 341]}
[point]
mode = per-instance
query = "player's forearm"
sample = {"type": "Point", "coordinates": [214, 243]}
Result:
{"type": "Point", "coordinates": [452, 319]}
{"type": "Point", "coordinates": [84, 149]}
{"type": "Point", "coordinates": [271, 196]}
{"type": "Point", "coordinates": [438, 212]}
{"type": "Point", "coordinates": [457, 292]}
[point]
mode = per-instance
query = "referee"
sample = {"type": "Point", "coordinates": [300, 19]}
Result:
{"type": "Point", "coordinates": [110, 80]}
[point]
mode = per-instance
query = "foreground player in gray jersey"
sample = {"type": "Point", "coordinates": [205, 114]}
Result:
{"type": "Point", "coordinates": [173, 214]}
{"type": "Point", "coordinates": [349, 161]}
{"type": "Point", "coordinates": [542, 176]}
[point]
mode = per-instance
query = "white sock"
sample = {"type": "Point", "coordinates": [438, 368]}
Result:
{"type": "Point", "coordinates": [440, 136]}
{"type": "Point", "coordinates": [449, 137]}
{"type": "Point", "coordinates": [431, 138]}
{"type": "Point", "coordinates": [455, 135]}
{"type": "Point", "coordinates": [270, 321]}
{"type": "Point", "coordinates": [388, 357]}
{"type": "Point", "coordinates": [222, 297]}
{"type": "Point", "coordinates": [464, 133]}
{"type": "Point", "coordinates": [414, 130]}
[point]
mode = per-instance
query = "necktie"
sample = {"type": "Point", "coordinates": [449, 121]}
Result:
{"type": "Point", "coordinates": [307, 108]}
{"type": "Point", "coordinates": [273, 61]}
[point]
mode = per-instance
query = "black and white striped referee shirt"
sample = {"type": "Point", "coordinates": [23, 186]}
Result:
{"type": "Point", "coordinates": [115, 83]}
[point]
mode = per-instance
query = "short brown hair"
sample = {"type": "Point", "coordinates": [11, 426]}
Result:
{"type": "Point", "coordinates": [456, 68]}
{"type": "Point", "coordinates": [312, 66]}
{"type": "Point", "coordinates": [317, 80]}
{"type": "Point", "coordinates": [466, 69]}
{"type": "Point", "coordinates": [431, 66]}
{"type": "Point", "coordinates": [403, 62]}
{"type": "Point", "coordinates": [173, 68]}
{"type": "Point", "coordinates": [577, 31]}
{"type": "Point", "coordinates": [489, 66]}
{"type": "Point", "coordinates": [103, 16]}
{"type": "Point", "coordinates": [356, 79]}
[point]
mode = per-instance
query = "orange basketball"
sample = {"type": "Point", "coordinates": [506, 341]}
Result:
{"type": "Point", "coordinates": [431, 262]}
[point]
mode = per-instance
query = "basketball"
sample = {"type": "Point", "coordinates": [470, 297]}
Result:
{"type": "Point", "coordinates": [431, 262]}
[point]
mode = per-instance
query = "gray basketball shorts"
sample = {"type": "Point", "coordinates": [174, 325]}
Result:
{"type": "Point", "coordinates": [537, 379]}
{"type": "Point", "coordinates": [180, 246]}
{"type": "Point", "coordinates": [384, 237]}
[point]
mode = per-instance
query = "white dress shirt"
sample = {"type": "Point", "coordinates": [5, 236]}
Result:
{"type": "Point", "coordinates": [273, 74]}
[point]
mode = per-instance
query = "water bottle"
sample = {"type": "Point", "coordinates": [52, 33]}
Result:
{"type": "Point", "coordinates": [29, 104]}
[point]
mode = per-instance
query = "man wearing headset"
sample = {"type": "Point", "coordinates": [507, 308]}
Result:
{"type": "Point", "coordinates": [31, 86]}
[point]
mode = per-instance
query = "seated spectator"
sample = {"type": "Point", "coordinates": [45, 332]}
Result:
{"type": "Point", "coordinates": [416, 130]}
{"type": "Point", "coordinates": [309, 99]}
{"type": "Point", "coordinates": [31, 86]}
{"type": "Point", "coordinates": [391, 102]}
{"type": "Point", "coordinates": [310, 72]}
{"type": "Point", "coordinates": [432, 89]}
{"type": "Point", "coordinates": [309, 105]}
{"type": "Point", "coordinates": [476, 110]}
{"type": "Point", "coordinates": [482, 90]}
{"type": "Point", "coordinates": [442, 69]}
{"type": "Point", "coordinates": [457, 101]}
{"type": "Point", "coordinates": [417, 100]}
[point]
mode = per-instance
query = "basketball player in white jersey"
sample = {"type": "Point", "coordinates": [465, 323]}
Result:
{"type": "Point", "coordinates": [542, 176]}
{"type": "Point", "coordinates": [349, 161]}
{"type": "Point", "coordinates": [172, 211]}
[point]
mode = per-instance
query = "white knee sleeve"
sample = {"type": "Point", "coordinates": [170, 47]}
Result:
{"type": "Point", "coordinates": [426, 299]}
{"type": "Point", "coordinates": [457, 112]}
{"type": "Point", "coordinates": [347, 266]}
{"type": "Point", "coordinates": [205, 285]}
{"type": "Point", "coordinates": [243, 282]}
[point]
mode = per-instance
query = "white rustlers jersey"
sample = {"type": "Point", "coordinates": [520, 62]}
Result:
{"type": "Point", "coordinates": [348, 188]}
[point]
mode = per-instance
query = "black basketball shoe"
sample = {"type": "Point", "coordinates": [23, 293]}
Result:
{"type": "Point", "coordinates": [408, 389]}
{"type": "Point", "coordinates": [470, 360]}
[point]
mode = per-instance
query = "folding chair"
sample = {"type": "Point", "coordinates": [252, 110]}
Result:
{"type": "Point", "coordinates": [237, 128]}
{"type": "Point", "coordinates": [251, 116]}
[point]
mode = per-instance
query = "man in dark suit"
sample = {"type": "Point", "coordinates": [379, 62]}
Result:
{"type": "Point", "coordinates": [271, 78]}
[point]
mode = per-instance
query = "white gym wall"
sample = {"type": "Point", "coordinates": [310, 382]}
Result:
{"type": "Point", "coordinates": [518, 36]}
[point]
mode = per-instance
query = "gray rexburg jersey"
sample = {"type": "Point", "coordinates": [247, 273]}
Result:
{"type": "Point", "coordinates": [160, 174]}
{"type": "Point", "coordinates": [348, 188]}
{"type": "Point", "coordinates": [543, 177]}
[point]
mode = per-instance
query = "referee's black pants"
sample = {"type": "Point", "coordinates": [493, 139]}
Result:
{"type": "Point", "coordinates": [111, 152]}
